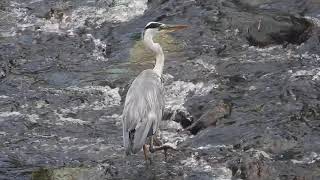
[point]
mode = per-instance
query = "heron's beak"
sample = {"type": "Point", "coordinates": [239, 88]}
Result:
{"type": "Point", "coordinates": [172, 28]}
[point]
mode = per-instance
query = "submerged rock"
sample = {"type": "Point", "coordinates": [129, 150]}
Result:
{"type": "Point", "coordinates": [273, 28]}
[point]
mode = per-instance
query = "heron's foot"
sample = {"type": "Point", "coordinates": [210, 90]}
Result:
{"type": "Point", "coordinates": [164, 147]}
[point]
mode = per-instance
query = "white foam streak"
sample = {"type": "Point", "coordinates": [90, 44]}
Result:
{"type": "Point", "coordinates": [313, 73]}
{"type": "Point", "coordinates": [177, 92]}
{"type": "Point", "coordinates": [97, 53]}
{"type": "Point", "coordinates": [310, 159]}
{"type": "Point", "coordinates": [119, 11]}
{"type": "Point", "coordinates": [9, 114]}
{"type": "Point", "coordinates": [207, 66]}
{"type": "Point", "coordinates": [69, 119]}
{"type": "Point", "coordinates": [209, 146]}
{"type": "Point", "coordinates": [200, 165]}
{"type": "Point", "coordinates": [111, 97]}
{"type": "Point", "coordinates": [314, 20]}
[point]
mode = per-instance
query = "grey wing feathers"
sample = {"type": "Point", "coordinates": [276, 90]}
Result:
{"type": "Point", "coordinates": [143, 110]}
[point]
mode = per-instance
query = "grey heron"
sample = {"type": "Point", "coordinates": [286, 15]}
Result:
{"type": "Point", "coordinates": [144, 104]}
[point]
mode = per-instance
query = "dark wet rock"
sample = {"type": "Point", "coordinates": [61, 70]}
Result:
{"type": "Point", "coordinates": [301, 88]}
{"type": "Point", "coordinates": [212, 117]}
{"type": "Point", "coordinates": [255, 166]}
{"type": "Point", "coordinates": [278, 29]}
{"type": "Point", "coordinates": [303, 7]}
{"type": "Point", "coordinates": [181, 117]}
{"type": "Point", "coordinates": [197, 106]}
{"type": "Point", "coordinates": [313, 43]}
{"type": "Point", "coordinates": [258, 165]}
{"type": "Point", "coordinates": [310, 115]}
{"type": "Point", "coordinates": [220, 49]}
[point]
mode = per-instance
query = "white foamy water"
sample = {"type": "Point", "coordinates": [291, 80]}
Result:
{"type": "Point", "coordinates": [105, 97]}
{"type": "Point", "coordinates": [314, 20]}
{"type": "Point", "coordinates": [63, 119]}
{"type": "Point", "coordinates": [200, 165]}
{"type": "Point", "coordinates": [29, 117]}
{"type": "Point", "coordinates": [175, 96]}
{"type": "Point", "coordinates": [97, 53]}
{"type": "Point", "coordinates": [259, 153]}
{"type": "Point", "coordinates": [308, 159]}
{"type": "Point", "coordinates": [51, 27]}
{"type": "Point", "coordinates": [169, 132]}
{"type": "Point", "coordinates": [111, 97]}
{"type": "Point", "coordinates": [207, 66]}
{"type": "Point", "coordinates": [265, 54]}
{"type": "Point", "coordinates": [33, 117]}
{"type": "Point", "coordinates": [90, 12]}
{"type": "Point", "coordinates": [209, 146]}
{"type": "Point", "coordinates": [68, 139]}
{"type": "Point", "coordinates": [115, 118]}
{"type": "Point", "coordinates": [121, 11]}
{"type": "Point", "coordinates": [266, 49]}
{"type": "Point", "coordinates": [313, 73]}
{"type": "Point", "coordinates": [9, 114]}
{"type": "Point", "coordinates": [4, 97]}
{"type": "Point", "coordinates": [177, 91]}
{"type": "Point", "coordinates": [10, 33]}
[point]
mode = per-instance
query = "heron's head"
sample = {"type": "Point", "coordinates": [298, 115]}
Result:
{"type": "Point", "coordinates": [153, 28]}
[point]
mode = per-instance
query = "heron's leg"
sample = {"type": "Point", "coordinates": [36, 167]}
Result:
{"type": "Point", "coordinates": [145, 152]}
{"type": "Point", "coordinates": [163, 147]}
{"type": "Point", "coordinates": [159, 146]}
{"type": "Point", "coordinates": [150, 148]}
{"type": "Point", "coordinates": [151, 143]}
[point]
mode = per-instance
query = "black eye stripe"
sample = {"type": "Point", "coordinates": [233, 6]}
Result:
{"type": "Point", "coordinates": [153, 25]}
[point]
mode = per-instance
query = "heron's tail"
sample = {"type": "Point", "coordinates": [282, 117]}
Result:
{"type": "Point", "coordinates": [136, 138]}
{"type": "Point", "coordinates": [126, 142]}
{"type": "Point", "coordinates": [129, 142]}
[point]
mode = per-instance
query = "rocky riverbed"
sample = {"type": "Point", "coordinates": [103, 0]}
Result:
{"type": "Point", "coordinates": [242, 88]}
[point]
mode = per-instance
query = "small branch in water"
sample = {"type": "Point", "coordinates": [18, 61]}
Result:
{"type": "Point", "coordinates": [259, 25]}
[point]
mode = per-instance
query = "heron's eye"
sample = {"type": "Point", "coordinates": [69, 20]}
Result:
{"type": "Point", "coordinates": [162, 27]}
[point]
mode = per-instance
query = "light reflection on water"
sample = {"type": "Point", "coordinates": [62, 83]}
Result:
{"type": "Point", "coordinates": [141, 58]}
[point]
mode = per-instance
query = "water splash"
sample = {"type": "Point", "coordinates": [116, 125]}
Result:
{"type": "Point", "coordinates": [99, 47]}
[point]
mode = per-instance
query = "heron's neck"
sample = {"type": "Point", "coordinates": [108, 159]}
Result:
{"type": "Point", "coordinates": [156, 48]}
{"type": "Point", "coordinates": [158, 67]}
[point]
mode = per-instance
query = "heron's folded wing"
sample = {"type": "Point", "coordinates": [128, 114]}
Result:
{"type": "Point", "coordinates": [144, 102]}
